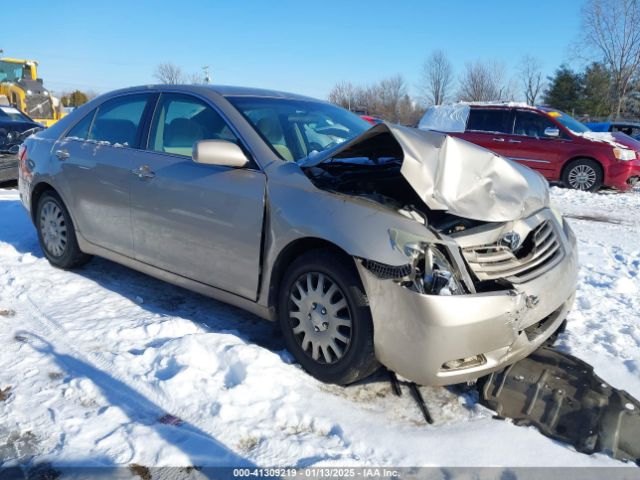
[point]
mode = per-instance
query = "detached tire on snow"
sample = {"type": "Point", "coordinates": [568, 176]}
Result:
{"type": "Point", "coordinates": [56, 233]}
{"type": "Point", "coordinates": [583, 174]}
{"type": "Point", "coordinates": [325, 320]}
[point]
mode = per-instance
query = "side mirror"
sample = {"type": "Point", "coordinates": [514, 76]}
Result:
{"type": "Point", "coordinates": [219, 152]}
{"type": "Point", "coordinates": [551, 132]}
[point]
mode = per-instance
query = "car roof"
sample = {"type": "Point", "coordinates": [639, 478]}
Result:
{"type": "Point", "coordinates": [509, 105]}
{"type": "Point", "coordinates": [224, 90]}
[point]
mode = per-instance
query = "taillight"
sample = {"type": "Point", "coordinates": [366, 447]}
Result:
{"type": "Point", "coordinates": [22, 158]}
{"type": "Point", "coordinates": [22, 153]}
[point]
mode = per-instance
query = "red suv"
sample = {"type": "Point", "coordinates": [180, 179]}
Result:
{"type": "Point", "coordinates": [554, 144]}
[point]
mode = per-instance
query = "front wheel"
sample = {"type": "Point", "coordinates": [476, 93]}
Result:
{"type": "Point", "coordinates": [325, 320]}
{"type": "Point", "coordinates": [583, 174]}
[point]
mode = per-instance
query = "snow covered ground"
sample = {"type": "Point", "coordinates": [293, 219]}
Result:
{"type": "Point", "coordinates": [105, 366]}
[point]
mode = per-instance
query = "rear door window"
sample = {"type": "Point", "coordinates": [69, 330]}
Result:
{"type": "Point", "coordinates": [118, 120]}
{"type": "Point", "coordinates": [491, 120]}
{"type": "Point", "coordinates": [532, 124]}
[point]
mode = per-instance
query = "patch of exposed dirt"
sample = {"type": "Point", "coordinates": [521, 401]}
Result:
{"type": "Point", "coordinates": [20, 446]}
{"type": "Point", "coordinates": [140, 470]}
{"type": "Point", "coordinates": [4, 393]}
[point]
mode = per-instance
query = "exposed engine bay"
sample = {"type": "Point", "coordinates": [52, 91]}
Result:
{"type": "Point", "coordinates": [374, 167]}
{"type": "Point", "coordinates": [371, 169]}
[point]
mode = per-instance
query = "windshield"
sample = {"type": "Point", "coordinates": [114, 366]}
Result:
{"type": "Point", "coordinates": [10, 72]}
{"type": "Point", "coordinates": [13, 114]}
{"type": "Point", "coordinates": [568, 121]}
{"type": "Point", "coordinates": [296, 129]}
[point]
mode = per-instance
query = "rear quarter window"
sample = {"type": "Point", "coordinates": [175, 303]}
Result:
{"type": "Point", "coordinates": [81, 129]}
{"type": "Point", "coordinates": [118, 120]}
{"type": "Point", "coordinates": [490, 120]}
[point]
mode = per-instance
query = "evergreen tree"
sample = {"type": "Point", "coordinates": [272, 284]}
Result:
{"type": "Point", "coordinates": [75, 99]}
{"type": "Point", "coordinates": [564, 91]}
{"type": "Point", "coordinates": [596, 91]}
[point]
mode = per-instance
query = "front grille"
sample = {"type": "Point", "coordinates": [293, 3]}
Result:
{"type": "Point", "coordinates": [540, 251]}
{"type": "Point", "coordinates": [39, 105]}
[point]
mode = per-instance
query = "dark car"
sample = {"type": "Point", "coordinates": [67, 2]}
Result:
{"type": "Point", "coordinates": [15, 127]}
{"type": "Point", "coordinates": [628, 128]}
{"type": "Point", "coordinates": [546, 140]}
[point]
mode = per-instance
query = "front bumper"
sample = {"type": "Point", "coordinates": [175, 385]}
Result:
{"type": "Point", "coordinates": [415, 334]}
{"type": "Point", "coordinates": [622, 175]}
{"type": "Point", "coordinates": [8, 167]}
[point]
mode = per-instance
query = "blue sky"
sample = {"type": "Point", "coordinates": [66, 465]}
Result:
{"type": "Point", "coordinates": [299, 46]}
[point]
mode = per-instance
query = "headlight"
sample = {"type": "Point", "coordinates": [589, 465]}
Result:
{"type": "Point", "coordinates": [624, 154]}
{"type": "Point", "coordinates": [430, 271]}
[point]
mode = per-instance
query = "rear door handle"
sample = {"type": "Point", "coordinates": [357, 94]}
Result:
{"type": "Point", "coordinates": [143, 172]}
{"type": "Point", "coordinates": [498, 139]}
{"type": "Point", "coordinates": [62, 154]}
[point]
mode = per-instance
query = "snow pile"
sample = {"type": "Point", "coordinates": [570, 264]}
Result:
{"type": "Point", "coordinates": [106, 366]}
{"type": "Point", "coordinates": [499, 103]}
{"type": "Point", "coordinates": [445, 118]}
{"type": "Point", "coordinates": [601, 137]}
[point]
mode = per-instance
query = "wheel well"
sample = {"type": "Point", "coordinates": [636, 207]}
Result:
{"type": "Point", "coordinates": [289, 253]}
{"type": "Point", "coordinates": [571, 160]}
{"type": "Point", "coordinates": [35, 197]}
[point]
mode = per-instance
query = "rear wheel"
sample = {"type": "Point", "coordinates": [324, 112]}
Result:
{"type": "Point", "coordinates": [583, 174]}
{"type": "Point", "coordinates": [56, 233]}
{"type": "Point", "coordinates": [325, 319]}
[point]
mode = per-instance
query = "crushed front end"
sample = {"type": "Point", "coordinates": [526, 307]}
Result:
{"type": "Point", "coordinates": [488, 276]}
{"type": "Point", "coordinates": [475, 300]}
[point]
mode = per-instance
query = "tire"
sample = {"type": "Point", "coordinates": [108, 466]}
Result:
{"type": "Point", "coordinates": [56, 233]}
{"type": "Point", "coordinates": [583, 174]}
{"type": "Point", "coordinates": [336, 310]}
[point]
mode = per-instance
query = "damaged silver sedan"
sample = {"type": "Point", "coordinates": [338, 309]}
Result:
{"type": "Point", "coordinates": [385, 245]}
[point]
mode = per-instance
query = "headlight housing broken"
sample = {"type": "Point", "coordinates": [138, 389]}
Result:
{"type": "Point", "coordinates": [428, 270]}
{"type": "Point", "coordinates": [432, 272]}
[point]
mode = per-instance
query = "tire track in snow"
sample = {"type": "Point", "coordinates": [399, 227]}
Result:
{"type": "Point", "coordinates": [55, 334]}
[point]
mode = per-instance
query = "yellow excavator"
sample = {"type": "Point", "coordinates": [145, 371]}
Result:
{"type": "Point", "coordinates": [20, 84]}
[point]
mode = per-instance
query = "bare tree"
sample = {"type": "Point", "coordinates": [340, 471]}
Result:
{"type": "Point", "coordinates": [390, 93]}
{"type": "Point", "coordinates": [343, 94]}
{"type": "Point", "coordinates": [169, 73]}
{"type": "Point", "coordinates": [531, 76]}
{"type": "Point", "coordinates": [483, 82]}
{"type": "Point", "coordinates": [613, 28]}
{"type": "Point", "coordinates": [437, 75]}
{"type": "Point", "coordinates": [387, 99]}
{"type": "Point", "coordinates": [194, 79]}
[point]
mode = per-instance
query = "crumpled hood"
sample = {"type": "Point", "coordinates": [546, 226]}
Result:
{"type": "Point", "coordinates": [451, 174]}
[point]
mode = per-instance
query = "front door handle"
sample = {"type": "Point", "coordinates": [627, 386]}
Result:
{"type": "Point", "coordinates": [62, 154]}
{"type": "Point", "coordinates": [498, 139]}
{"type": "Point", "coordinates": [511, 140]}
{"type": "Point", "coordinates": [143, 172]}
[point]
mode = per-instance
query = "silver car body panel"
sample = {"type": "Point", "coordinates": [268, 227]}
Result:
{"type": "Point", "coordinates": [223, 231]}
{"type": "Point", "coordinates": [457, 176]}
{"type": "Point", "coordinates": [432, 330]}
